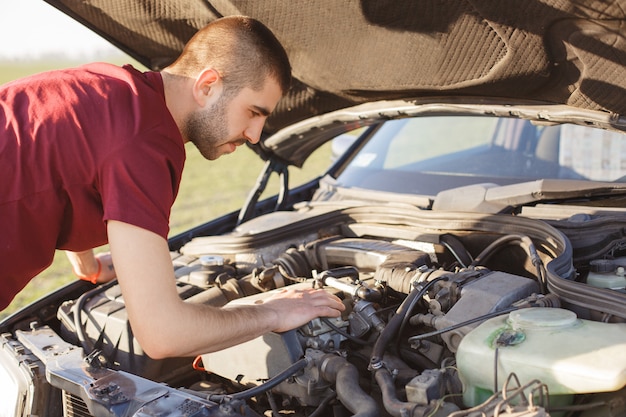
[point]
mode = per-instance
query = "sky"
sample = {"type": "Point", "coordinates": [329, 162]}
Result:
{"type": "Point", "coordinates": [30, 29]}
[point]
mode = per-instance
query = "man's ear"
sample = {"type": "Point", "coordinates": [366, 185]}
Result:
{"type": "Point", "coordinates": [207, 87]}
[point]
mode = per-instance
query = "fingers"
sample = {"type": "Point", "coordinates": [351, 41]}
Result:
{"type": "Point", "coordinates": [315, 298]}
{"type": "Point", "coordinates": [294, 308]}
{"type": "Point", "coordinates": [328, 311]}
{"type": "Point", "coordinates": [325, 303]}
{"type": "Point", "coordinates": [333, 304]}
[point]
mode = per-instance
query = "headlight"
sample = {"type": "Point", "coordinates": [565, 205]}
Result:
{"type": "Point", "coordinates": [23, 386]}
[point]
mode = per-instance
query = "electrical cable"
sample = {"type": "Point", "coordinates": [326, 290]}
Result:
{"type": "Point", "coordinates": [347, 335]}
{"type": "Point", "coordinates": [461, 324]}
{"type": "Point", "coordinates": [266, 386]}
{"type": "Point", "coordinates": [319, 411]}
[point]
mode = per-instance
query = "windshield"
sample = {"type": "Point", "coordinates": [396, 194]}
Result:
{"type": "Point", "coordinates": [429, 154]}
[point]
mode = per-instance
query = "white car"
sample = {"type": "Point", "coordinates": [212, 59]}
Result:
{"type": "Point", "coordinates": [474, 223]}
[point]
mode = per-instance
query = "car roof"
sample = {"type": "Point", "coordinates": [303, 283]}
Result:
{"type": "Point", "coordinates": [351, 52]}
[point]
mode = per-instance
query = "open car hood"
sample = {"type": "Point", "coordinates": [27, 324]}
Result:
{"type": "Point", "coordinates": [347, 53]}
{"type": "Point", "coordinates": [493, 285]}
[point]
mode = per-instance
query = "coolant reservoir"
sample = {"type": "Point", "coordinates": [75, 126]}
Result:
{"type": "Point", "coordinates": [569, 355]}
{"type": "Point", "coordinates": [605, 273]}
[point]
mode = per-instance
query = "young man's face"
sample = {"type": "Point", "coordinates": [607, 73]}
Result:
{"type": "Point", "coordinates": [232, 121]}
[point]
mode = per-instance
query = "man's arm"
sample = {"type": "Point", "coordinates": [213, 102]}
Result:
{"type": "Point", "coordinates": [165, 326]}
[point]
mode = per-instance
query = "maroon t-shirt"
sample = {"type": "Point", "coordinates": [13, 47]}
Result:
{"type": "Point", "coordinates": [79, 147]}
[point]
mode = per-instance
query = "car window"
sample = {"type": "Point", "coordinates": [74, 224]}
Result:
{"type": "Point", "coordinates": [437, 136]}
{"type": "Point", "coordinates": [426, 155]}
{"type": "Point", "coordinates": [597, 154]}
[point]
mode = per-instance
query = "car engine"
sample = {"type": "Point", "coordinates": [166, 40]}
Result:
{"type": "Point", "coordinates": [446, 315]}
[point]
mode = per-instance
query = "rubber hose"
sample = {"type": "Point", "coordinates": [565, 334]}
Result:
{"type": "Point", "coordinates": [395, 323]}
{"type": "Point", "coordinates": [391, 329]}
{"type": "Point", "coordinates": [345, 376]}
{"type": "Point", "coordinates": [394, 406]}
{"type": "Point", "coordinates": [78, 307]}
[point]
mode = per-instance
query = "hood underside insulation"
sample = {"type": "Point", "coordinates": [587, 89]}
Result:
{"type": "Point", "coordinates": [345, 53]}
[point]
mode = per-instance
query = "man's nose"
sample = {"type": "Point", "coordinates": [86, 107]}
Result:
{"type": "Point", "coordinates": [253, 132]}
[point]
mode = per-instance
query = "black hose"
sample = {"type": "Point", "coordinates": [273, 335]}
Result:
{"type": "Point", "coordinates": [529, 247]}
{"type": "Point", "coordinates": [271, 383]}
{"type": "Point", "coordinates": [395, 323]}
{"type": "Point", "coordinates": [85, 343]}
{"type": "Point", "coordinates": [410, 308]}
{"type": "Point", "coordinates": [491, 249]}
{"type": "Point", "coordinates": [338, 370]}
{"type": "Point", "coordinates": [391, 329]}
{"type": "Point", "coordinates": [456, 248]}
{"type": "Point", "coordinates": [392, 404]}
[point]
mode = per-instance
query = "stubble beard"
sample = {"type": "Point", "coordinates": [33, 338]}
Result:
{"type": "Point", "coordinates": [208, 129]}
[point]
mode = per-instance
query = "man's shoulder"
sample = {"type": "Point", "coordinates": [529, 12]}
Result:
{"type": "Point", "coordinates": [126, 72]}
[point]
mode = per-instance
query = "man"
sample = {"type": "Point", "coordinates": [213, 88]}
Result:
{"type": "Point", "coordinates": [95, 154]}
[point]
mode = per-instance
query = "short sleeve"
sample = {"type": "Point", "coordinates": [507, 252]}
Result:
{"type": "Point", "coordinates": [139, 182]}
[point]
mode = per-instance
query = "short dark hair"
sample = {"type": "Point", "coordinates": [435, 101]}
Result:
{"type": "Point", "coordinates": [243, 50]}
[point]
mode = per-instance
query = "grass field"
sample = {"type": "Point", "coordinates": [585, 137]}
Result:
{"type": "Point", "coordinates": [208, 189]}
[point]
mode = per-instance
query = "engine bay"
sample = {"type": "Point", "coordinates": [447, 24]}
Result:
{"type": "Point", "coordinates": [446, 315]}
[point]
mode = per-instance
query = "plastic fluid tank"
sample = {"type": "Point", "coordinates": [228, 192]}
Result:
{"type": "Point", "coordinates": [551, 345]}
{"type": "Point", "coordinates": [606, 273]}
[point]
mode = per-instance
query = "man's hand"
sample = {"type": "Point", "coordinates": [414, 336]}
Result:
{"type": "Point", "coordinates": [87, 264]}
{"type": "Point", "coordinates": [294, 308]}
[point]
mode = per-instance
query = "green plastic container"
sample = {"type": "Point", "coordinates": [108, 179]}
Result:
{"type": "Point", "coordinates": [569, 355]}
{"type": "Point", "coordinates": [613, 278]}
